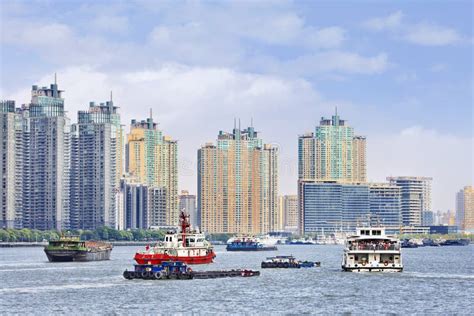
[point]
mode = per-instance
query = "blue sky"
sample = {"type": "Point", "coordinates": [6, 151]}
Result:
{"type": "Point", "coordinates": [400, 72]}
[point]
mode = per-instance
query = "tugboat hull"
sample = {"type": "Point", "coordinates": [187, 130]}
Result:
{"type": "Point", "coordinates": [144, 258]}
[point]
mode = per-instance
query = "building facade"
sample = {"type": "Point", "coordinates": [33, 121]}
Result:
{"type": "Point", "coordinates": [415, 198]}
{"type": "Point", "coordinates": [153, 160]}
{"type": "Point", "coordinates": [289, 209]}
{"type": "Point", "coordinates": [46, 161]}
{"type": "Point", "coordinates": [187, 202]}
{"type": "Point", "coordinates": [11, 177]}
{"type": "Point", "coordinates": [333, 206]}
{"type": "Point", "coordinates": [332, 152]}
{"type": "Point", "coordinates": [385, 205]}
{"type": "Point", "coordinates": [95, 166]}
{"type": "Point", "coordinates": [465, 209]}
{"type": "Point", "coordinates": [238, 184]}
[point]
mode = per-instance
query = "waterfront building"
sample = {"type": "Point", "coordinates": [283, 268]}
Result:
{"type": "Point", "coordinates": [238, 184]}
{"type": "Point", "coordinates": [11, 178]}
{"type": "Point", "coordinates": [414, 230]}
{"type": "Point", "coordinates": [152, 159]}
{"type": "Point", "coordinates": [465, 209]}
{"type": "Point", "coordinates": [332, 152]}
{"type": "Point", "coordinates": [95, 166]}
{"type": "Point", "coordinates": [188, 203]}
{"type": "Point", "coordinates": [46, 161]}
{"type": "Point", "coordinates": [443, 229]}
{"type": "Point", "coordinates": [289, 209]}
{"type": "Point", "coordinates": [415, 197]}
{"type": "Point", "coordinates": [333, 206]}
{"type": "Point", "coordinates": [385, 205]}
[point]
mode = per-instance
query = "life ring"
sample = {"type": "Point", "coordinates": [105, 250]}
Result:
{"type": "Point", "coordinates": [364, 263]}
{"type": "Point", "coordinates": [385, 263]}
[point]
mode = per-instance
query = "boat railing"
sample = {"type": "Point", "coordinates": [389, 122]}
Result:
{"type": "Point", "coordinates": [374, 246]}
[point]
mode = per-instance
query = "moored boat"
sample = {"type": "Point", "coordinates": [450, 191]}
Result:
{"type": "Point", "coordinates": [187, 246]}
{"type": "Point", "coordinates": [71, 248]}
{"type": "Point", "coordinates": [247, 243]}
{"type": "Point", "coordinates": [371, 250]}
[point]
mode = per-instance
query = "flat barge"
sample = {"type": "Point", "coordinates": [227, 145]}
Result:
{"type": "Point", "coordinates": [287, 262]}
{"type": "Point", "coordinates": [172, 270]}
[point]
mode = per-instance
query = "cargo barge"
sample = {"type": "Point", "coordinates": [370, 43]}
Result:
{"type": "Point", "coordinates": [288, 262]}
{"type": "Point", "coordinates": [176, 270]}
{"type": "Point", "coordinates": [71, 248]}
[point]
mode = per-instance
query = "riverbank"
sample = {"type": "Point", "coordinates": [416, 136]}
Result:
{"type": "Point", "coordinates": [42, 244]}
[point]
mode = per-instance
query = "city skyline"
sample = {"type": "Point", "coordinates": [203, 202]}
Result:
{"type": "Point", "coordinates": [375, 65]}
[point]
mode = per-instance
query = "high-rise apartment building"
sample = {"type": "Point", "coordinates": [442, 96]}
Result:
{"type": "Point", "coordinates": [415, 198]}
{"type": "Point", "coordinates": [289, 209]}
{"type": "Point", "coordinates": [359, 159]}
{"type": "Point", "coordinates": [187, 202]}
{"type": "Point", "coordinates": [238, 184]}
{"type": "Point", "coordinates": [95, 161]}
{"type": "Point", "coordinates": [142, 206]}
{"type": "Point", "coordinates": [46, 161]}
{"type": "Point", "coordinates": [332, 206]}
{"type": "Point", "coordinates": [465, 209]}
{"type": "Point", "coordinates": [153, 160]}
{"type": "Point", "coordinates": [11, 178]}
{"type": "Point", "coordinates": [332, 152]}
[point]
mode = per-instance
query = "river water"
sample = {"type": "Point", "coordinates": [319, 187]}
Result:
{"type": "Point", "coordinates": [436, 280]}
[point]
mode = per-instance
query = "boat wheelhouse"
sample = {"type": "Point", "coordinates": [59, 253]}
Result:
{"type": "Point", "coordinates": [371, 250]}
{"type": "Point", "coordinates": [187, 246]}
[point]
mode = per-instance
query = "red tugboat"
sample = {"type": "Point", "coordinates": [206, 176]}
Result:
{"type": "Point", "coordinates": [188, 246]}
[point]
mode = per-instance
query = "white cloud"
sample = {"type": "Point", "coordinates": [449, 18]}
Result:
{"type": "Point", "coordinates": [338, 62]}
{"type": "Point", "coordinates": [427, 34]}
{"type": "Point", "coordinates": [432, 35]}
{"type": "Point", "coordinates": [389, 22]}
{"type": "Point", "coordinates": [416, 151]}
{"type": "Point", "coordinates": [439, 67]}
{"type": "Point", "coordinates": [110, 23]}
{"type": "Point", "coordinates": [329, 37]}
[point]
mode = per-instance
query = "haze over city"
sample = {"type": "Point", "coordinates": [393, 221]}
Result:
{"type": "Point", "coordinates": [399, 73]}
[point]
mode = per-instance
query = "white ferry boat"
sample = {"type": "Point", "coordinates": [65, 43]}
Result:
{"type": "Point", "coordinates": [371, 250]}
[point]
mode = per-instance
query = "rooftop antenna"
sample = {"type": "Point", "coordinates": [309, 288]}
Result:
{"type": "Point", "coordinates": [235, 124]}
{"type": "Point", "coordinates": [151, 113]}
{"type": "Point", "coordinates": [110, 95]}
{"type": "Point", "coordinates": [239, 124]}
{"type": "Point", "coordinates": [55, 79]}
{"type": "Point", "coordinates": [251, 122]}
{"type": "Point", "coordinates": [336, 110]}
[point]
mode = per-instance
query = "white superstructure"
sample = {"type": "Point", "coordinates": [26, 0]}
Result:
{"type": "Point", "coordinates": [371, 250]}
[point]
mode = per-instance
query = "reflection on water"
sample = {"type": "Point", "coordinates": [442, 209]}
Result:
{"type": "Point", "coordinates": [436, 280]}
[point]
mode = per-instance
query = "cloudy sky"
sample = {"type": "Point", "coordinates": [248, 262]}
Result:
{"type": "Point", "coordinates": [400, 72]}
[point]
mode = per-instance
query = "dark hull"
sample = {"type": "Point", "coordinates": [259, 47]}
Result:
{"type": "Point", "coordinates": [271, 248]}
{"type": "Point", "coordinates": [74, 255]}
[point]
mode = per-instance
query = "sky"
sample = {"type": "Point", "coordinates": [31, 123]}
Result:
{"type": "Point", "coordinates": [400, 73]}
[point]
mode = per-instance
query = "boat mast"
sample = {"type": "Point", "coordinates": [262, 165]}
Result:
{"type": "Point", "coordinates": [184, 223]}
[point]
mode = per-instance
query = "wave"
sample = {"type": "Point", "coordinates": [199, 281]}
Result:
{"type": "Point", "coordinates": [62, 287]}
{"type": "Point", "coordinates": [439, 275]}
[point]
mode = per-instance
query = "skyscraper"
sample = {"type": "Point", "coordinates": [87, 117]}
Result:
{"type": "Point", "coordinates": [359, 159]}
{"type": "Point", "coordinates": [46, 161]}
{"type": "Point", "coordinates": [465, 209]}
{"type": "Point", "coordinates": [188, 203]}
{"type": "Point", "coordinates": [11, 178]}
{"type": "Point", "coordinates": [96, 159]}
{"type": "Point", "coordinates": [332, 152]}
{"type": "Point", "coordinates": [238, 184]}
{"type": "Point", "coordinates": [415, 198]}
{"type": "Point", "coordinates": [153, 160]}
